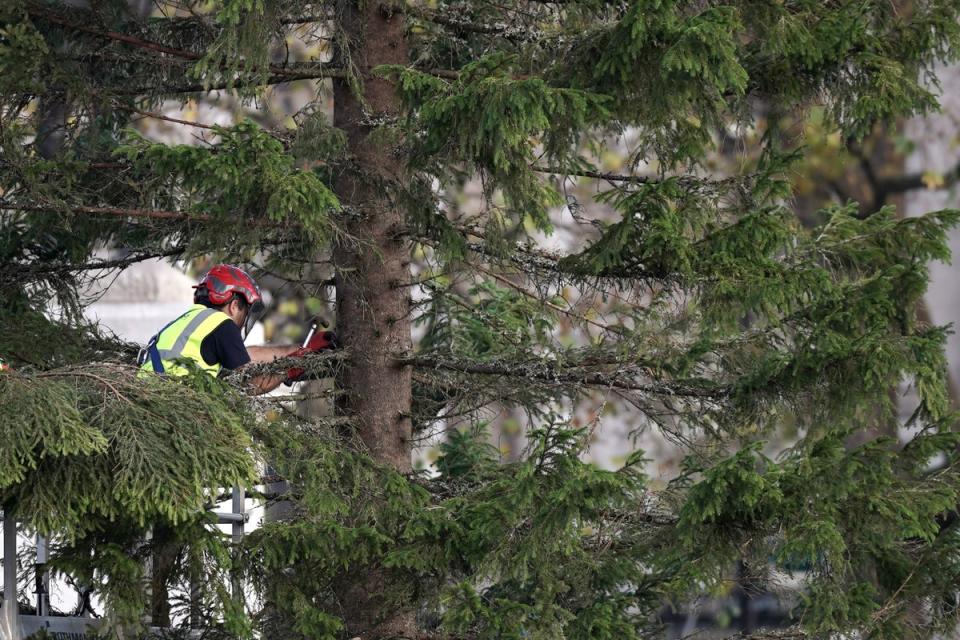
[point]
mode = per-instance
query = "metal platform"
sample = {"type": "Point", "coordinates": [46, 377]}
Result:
{"type": "Point", "coordinates": [17, 626]}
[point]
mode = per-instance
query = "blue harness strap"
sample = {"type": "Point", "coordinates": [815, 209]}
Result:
{"type": "Point", "coordinates": [155, 359]}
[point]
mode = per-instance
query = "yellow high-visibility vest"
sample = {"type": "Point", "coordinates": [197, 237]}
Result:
{"type": "Point", "coordinates": [182, 339]}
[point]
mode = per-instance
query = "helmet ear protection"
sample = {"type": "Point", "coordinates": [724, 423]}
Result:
{"type": "Point", "coordinates": [224, 282]}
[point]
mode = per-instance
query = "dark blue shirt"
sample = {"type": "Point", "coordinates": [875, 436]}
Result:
{"type": "Point", "coordinates": [224, 346]}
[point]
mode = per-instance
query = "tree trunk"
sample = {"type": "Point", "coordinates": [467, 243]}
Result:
{"type": "Point", "coordinates": [372, 311]}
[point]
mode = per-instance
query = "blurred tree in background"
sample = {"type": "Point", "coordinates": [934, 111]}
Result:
{"type": "Point", "coordinates": [689, 288]}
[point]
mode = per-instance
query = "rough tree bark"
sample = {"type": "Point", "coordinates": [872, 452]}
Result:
{"type": "Point", "coordinates": [372, 311]}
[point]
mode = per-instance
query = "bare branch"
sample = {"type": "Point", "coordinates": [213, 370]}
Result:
{"type": "Point", "coordinates": [160, 116]}
{"type": "Point", "coordinates": [900, 184]}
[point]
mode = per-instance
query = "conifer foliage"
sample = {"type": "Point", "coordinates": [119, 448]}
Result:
{"type": "Point", "coordinates": [706, 310]}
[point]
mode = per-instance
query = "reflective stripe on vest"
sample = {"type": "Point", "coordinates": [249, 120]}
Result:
{"type": "Point", "coordinates": [183, 338]}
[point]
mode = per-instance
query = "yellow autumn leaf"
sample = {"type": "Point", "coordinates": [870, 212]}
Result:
{"type": "Point", "coordinates": [933, 180]}
{"type": "Point", "coordinates": [289, 307]}
{"type": "Point", "coordinates": [611, 161]}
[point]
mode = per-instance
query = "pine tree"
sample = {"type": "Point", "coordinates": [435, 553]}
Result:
{"type": "Point", "coordinates": [704, 307]}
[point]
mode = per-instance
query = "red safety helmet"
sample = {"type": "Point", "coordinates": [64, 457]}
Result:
{"type": "Point", "coordinates": [223, 281]}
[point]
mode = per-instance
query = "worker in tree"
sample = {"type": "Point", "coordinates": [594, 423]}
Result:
{"type": "Point", "coordinates": [225, 300]}
{"type": "Point", "coordinates": [209, 334]}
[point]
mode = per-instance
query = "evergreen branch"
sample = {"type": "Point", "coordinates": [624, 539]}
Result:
{"type": "Point", "coordinates": [547, 303]}
{"type": "Point", "coordinates": [177, 21]}
{"type": "Point", "coordinates": [128, 39]}
{"type": "Point", "coordinates": [457, 25]}
{"type": "Point", "coordinates": [316, 366]}
{"type": "Point", "coordinates": [197, 19]}
{"type": "Point", "coordinates": [203, 87]}
{"type": "Point", "coordinates": [100, 265]}
{"type": "Point", "coordinates": [551, 373]}
{"type": "Point", "coordinates": [125, 38]}
{"type": "Point", "coordinates": [446, 74]}
{"type": "Point", "coordinates": [314, 72]}
{"type": "Point", "coordinates": [597, 175]}
{"type": "Point", "coordinates": [688, 181]}
{"type": "Point", "coordinates": [156, 214]}
{"type": "Point", "coordinates": [108, 165]}
{"type": "Point", "coordinates": [643, 514]}
{"type": "Point", "coordinates": [77, 373]}
{"type": "Point", "coordinates": [318, 73]}
{"type": "Point", "coordinates": [307, 19]}
{"type": "Point", "coordinates": [763, 634]}
{"type": "Point", "coordinates": [290, 72]}
{"type": "Point", "coordinates": [516, 33]}
{"type": "Point", "coordinates": [309, 71]}
{"type": "Point", "coordinates": [531, 258]}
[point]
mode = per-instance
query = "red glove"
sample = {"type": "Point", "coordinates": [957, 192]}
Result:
{"type": "Point", "coordinates": [320, 341]}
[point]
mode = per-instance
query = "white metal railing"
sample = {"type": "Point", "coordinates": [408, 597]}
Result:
{"type": "Point", "coordinates": [17, 626]}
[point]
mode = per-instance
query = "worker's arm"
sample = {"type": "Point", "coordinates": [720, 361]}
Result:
{"type": "Point", "coordinates": [269, 354]}
{"type": "Point", "coordinates": [319, 341]}
{"type": "Point", "coordinates": [266, 383]}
